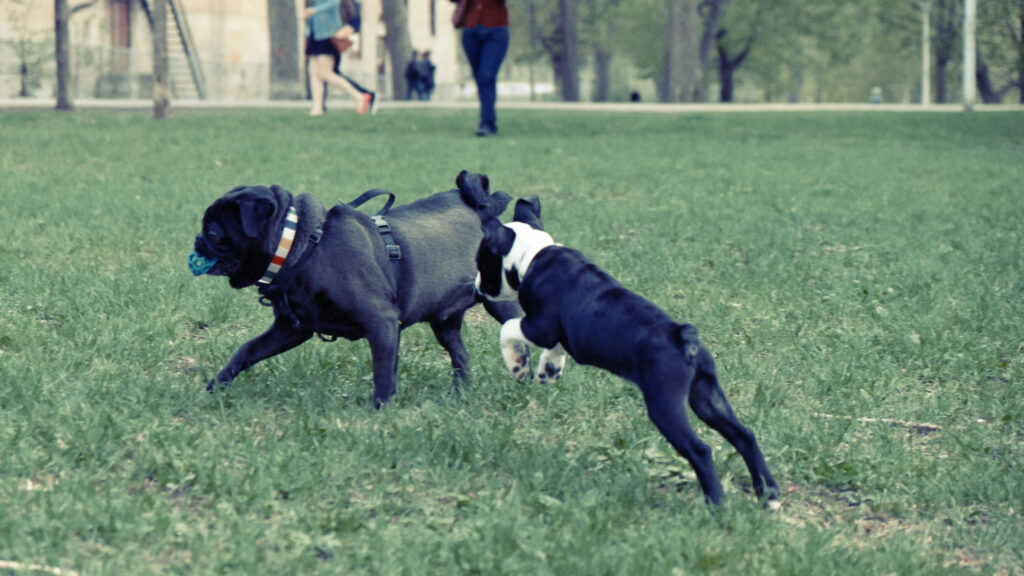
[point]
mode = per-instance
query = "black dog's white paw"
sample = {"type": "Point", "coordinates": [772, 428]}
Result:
{"type": "Point", "coordinates": [549, 373]}
{"type": "Point", "coordinates": [521, 368]}
{"type": "Point", "coordinates": [517, 360]}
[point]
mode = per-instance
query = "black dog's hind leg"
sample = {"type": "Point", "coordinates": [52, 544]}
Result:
{"type": "Point", "coordinates": [280, 337]}
{"type": "Point", "coordinates": [449, 334]}
{"type": "Point", "coordinates": [708, 401]}
{"type": "Point", "coordinates": [664, 399]}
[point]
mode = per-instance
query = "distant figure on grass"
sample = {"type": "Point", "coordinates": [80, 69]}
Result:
{"type": "Point", "coordinates": [411, 76]}
{"type": "Point", "coordinates": [329, 27]}
{"type": "Point", "coordinates": [419, 76]}
{"type": "Point", "coordinates": [484, 25]}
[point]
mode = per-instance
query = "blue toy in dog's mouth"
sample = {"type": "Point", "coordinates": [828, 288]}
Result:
{"type": "Point", "coordinates": [199, 265]}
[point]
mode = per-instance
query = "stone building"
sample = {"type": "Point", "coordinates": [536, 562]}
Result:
{"type": "Point", "coordinates": [230, 43]}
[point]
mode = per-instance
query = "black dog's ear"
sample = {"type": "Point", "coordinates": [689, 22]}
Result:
{"type": "Point", "coordinates": [499, 201]}
{"type": "Point", "coordinates": [497, 236]}
{"type": "Point", "coordinates": [475, 191]}
{"type": "Point", "coordinates": [527, 211]}
{"type": "Point", "coordinates": [254, 211]}
{"type": "Point", "coordinates": [460, 180]}
{"type": "Point", "coordinates": [469, 188]}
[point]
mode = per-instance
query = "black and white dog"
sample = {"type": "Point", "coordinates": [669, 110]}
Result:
{"type": "Point", "coordinates": [572, 306]}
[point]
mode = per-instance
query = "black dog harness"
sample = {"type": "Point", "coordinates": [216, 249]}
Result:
{"type": "Point", "coordinates": [275, 294]}
{"type": "Point", "coordinates": [394, 250]}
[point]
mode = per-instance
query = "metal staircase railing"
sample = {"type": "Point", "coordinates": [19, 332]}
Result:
{"type": "Point", "coordinates": [187, 43]}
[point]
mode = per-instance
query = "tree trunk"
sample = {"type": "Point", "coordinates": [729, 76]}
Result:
{"type": "Point", "coordinates": [682, 79]}
{"type": "Point", "coordinates": [1020, 56]}
{"type": "Point", "coordinates": [602, 75]}
{"type": "Point", "coordinates": [161, 66]}
{"type": "Point", "coordinates": [396, 19]}
{"type": "Point", "coordinates": [714, 15]}
{"type": "Point", "coordinates": [570, 61]}
{"type": "Point", "coordinates": [970, 53]}
{"type": "Point", "coordinates": [947, 27]}
{"type": "Point", "coordinates": [725, 76]}
{"type": "Point", "coordinates": [285, 55]}
{"type": "Point", "coordinates": [557, 56]}
{"type": "Point", "coordinates": [989, 95]}
{"type": "Point", "coordinates": [940, 80]}
{"type": "Point", "coordinates": [63, 48]}
{"type": "Point", "coordinates": [796, 67]}
{"type": "Point", "coordinates": [727, 65]}
{"type": "Point", "coordinates": [534, 41]}
{"type": "Point", "coordinates": [926, 55]}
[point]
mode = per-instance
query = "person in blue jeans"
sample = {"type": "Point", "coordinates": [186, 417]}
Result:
{"type": "Point", "coordinates": [485, 40]}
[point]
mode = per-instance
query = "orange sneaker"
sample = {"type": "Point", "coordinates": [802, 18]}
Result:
{"type": "Point", "coordinates": [367, 103]}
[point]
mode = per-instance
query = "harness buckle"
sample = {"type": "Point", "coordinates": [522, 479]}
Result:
{"type": "Point", "coordinates": [393, 250]}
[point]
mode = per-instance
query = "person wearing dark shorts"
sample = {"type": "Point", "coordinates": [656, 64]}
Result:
{"type": "Point", "coordinates": [328, 21]}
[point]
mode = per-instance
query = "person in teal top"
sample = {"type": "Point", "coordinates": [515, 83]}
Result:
{"type": "Point", "coordinates": [329, 22]}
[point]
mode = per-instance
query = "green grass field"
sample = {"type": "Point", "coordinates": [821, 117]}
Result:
{"type": "Point", "coordinates": [844, 268]}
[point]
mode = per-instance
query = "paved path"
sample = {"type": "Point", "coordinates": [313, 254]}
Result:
{"type": "Point", "coordinates": [10, 104]}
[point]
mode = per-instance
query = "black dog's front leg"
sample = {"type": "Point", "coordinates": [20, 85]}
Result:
{"type": "Point", "coordinates": [280, 337]}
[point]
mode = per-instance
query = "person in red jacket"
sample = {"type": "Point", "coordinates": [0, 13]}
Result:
{"type": "Point", "coordinates": [484, 25]}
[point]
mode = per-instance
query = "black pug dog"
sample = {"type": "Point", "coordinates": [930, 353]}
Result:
{"type": "Point", "coordinates": [329, 273]}
{"type": "Point", "coordinates": [572, 306]}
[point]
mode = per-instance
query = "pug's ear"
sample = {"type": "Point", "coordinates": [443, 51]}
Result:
{"type": "Point", "coordinates": [527, 211]}
{"type": "Point", "coordinates": [473, 189]}
{"type": "Point", "coordinates": [254, 212]}
{"type": "Point", "coordinates": [498, 202]}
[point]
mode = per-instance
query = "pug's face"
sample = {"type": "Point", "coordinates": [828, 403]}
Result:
{"type": "Point", "coordinates": [235, 239]}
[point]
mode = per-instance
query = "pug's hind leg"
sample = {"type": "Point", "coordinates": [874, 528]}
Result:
{"type": "Point", "coordinates": [449, 333]}
{"type": "Point", "coordinates": [549, 369]}
{"type": "Point", "coordinates": [515, 349]}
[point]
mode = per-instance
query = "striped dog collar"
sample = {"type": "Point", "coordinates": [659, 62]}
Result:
{"type": "Point", "coordinates": [291, 223]}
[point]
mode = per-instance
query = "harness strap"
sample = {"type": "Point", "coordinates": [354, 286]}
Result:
{"type": "Point", "coordinates": [394, 250]}
{"type": "Point", "coordinates": [370, 194]}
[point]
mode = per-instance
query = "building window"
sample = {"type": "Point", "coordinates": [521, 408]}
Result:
{"type": "Point", "coordinates": [120, 36]}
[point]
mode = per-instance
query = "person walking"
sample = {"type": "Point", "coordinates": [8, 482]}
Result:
{"type": "Point", "coordinates": [329, 24]}
{"type": "Point", "coordinates": [485, 38]}
{"type": "Point", "coordinates": [425, 71]}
